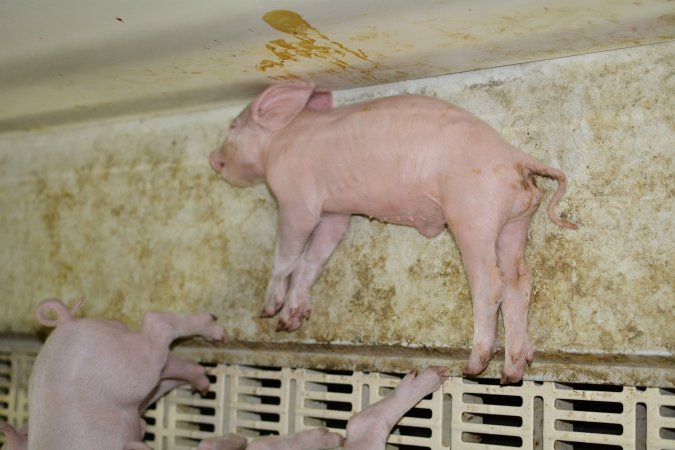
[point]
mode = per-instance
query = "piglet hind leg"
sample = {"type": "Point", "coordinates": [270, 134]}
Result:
{"type": "Point", "coordinates": [511, 259]}
{"type": "Point", "coordinates": [485, 282]}
{"type": "Point", "coordinates": [326, 236]}
{"type": "Point", "coordinates": [368, 430]}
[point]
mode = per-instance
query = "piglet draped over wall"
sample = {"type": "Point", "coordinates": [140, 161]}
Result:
{"type": "Point", "coordinates": [131, 216]}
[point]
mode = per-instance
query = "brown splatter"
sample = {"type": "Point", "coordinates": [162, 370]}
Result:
{"type": "Point", "coordinates": [308, 43]}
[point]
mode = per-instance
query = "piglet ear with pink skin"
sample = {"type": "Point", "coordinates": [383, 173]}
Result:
{"type": "Point", "coordinates": [278, 105]}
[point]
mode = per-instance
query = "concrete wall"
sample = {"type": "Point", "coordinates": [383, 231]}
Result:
{"type": "Point", "coordinates": [130, 215]}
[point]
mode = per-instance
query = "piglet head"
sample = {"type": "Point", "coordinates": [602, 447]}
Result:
{"type": "Point", "coordinates": [241, 159]}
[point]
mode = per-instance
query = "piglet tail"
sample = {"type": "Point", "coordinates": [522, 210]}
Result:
{"type": "Point", "coordinates": [63, 314]}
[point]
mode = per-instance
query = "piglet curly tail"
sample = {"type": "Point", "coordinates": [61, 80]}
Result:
{"type": "Point", "coordinates": [63, 314]}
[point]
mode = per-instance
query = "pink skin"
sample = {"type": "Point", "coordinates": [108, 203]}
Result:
{"type": "Point", "coordinates": [14, 439]}
{"type": "Point", "coordinates": [367, 430]}
{"type": "Point", "coordinates": [316, 439]}
{"type": "Point", "coordinates": [95, 377]}
{"type": "Point", "coordinates": [409, 160]}
{"type": "Point", "coordinates": [92, 409]}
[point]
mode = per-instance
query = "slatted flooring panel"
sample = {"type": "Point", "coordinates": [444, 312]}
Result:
{"type": "Point", "coordinates": [464, 414]}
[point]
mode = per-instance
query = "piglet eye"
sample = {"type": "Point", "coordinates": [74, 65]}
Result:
{"type": "Point", "coordinates": [234, 124]}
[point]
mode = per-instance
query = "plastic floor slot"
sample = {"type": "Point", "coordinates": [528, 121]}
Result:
{"type": "Point", "coordinates": [466, 414]}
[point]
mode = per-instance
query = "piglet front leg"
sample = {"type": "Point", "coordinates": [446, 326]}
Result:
{"type": "Point", "coordinates": [162, 328]}
{"type": "Point", "coordinates": [326, 236]}
{"type": "Point", "coordinates": [177, 372]}
{"type": "Point", "coordinates": [296, 224]}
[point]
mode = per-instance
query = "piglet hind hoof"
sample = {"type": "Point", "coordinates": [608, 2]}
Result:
{"type": "Point", "coordinates": [479, 360]}
{"type": "Point", "coordinates": [288, 325]}
{"type": "Point", "coordinates": [281, 326]}
{"type": "Point", "coordinates": [473, 370]}
{"type": "Point", "coordinates": [510, 378]}
{"type": "Point", "coordinates": [515, 363]}
{"type": "Point", "coordinates": [268, 311]}
{"type": "Point", "coordinates": [513, 373]}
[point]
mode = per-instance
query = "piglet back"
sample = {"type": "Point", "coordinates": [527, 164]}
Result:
{"type": "Point", "coordinates": [63, 314]}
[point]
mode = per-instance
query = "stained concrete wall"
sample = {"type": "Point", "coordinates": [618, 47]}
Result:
{"type": "Point", "coordinates": [130, 215]}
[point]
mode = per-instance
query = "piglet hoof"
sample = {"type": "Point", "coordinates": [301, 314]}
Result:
{"type": "Point", "coordinates": [293, 318]}
{"type": "Point", "coordinates": [476, 366]}
{"type": "Point", "coordinates": [274, 300]}
{"type": "Point", "coordinates": [481, 354]}
{"type": "Point", "coordinates": [271, 308]}
{"type": "Point", "coordinates": [515, 363]}
{"type": "Point", "coordinates": [212, 330]}
{"type": "Point", "coordinates": [286, 325]}
{"type": "Point", "coordinates": [201, 384]}
{"type": "Point", "coordinates": [429, 380]}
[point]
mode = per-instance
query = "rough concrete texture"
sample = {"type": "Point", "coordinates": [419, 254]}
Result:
{"type": "Point", "coordinates": [131, 216]}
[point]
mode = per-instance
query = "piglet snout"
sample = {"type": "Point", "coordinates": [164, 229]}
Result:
{"type": "Point", "coordinates": [217, 161]}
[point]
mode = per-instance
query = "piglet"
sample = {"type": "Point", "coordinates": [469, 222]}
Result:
{"type": "Point", "coordinates": [93, 378]}
{"type": "Point", "coordinates": [367, 430]}
{"type": "Point", "coordinates": [409, 160]}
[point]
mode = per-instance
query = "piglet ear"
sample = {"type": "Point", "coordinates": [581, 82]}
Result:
{"type": "Point", "coordinates": [321, 100]}
{"type": "Point", "coordinates": [278, 105]}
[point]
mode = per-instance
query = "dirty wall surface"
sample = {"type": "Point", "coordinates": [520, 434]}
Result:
{"type": "Point", "coordinates": [131, 216]}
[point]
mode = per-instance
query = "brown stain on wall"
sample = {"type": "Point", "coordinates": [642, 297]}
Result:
{"type": "Point", "coordinates": [310, 43]}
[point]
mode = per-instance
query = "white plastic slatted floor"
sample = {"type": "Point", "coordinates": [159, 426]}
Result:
{"type": "Point", "coordinates": [465, 414]}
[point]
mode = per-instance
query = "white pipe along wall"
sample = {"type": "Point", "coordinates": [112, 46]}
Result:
{"type": "Point", "coordinates": [126, 211]}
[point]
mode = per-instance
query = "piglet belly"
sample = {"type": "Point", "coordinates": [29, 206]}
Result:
{"type": "Point", "coordinates": [421, 213]}
{"type": "Point", "coordinates": [392, 206]}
